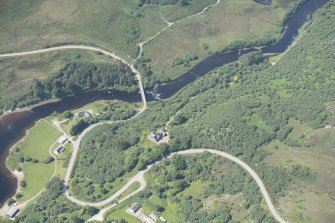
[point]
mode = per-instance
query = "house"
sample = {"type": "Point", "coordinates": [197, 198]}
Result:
{"type": "Point", "coordinates": [60, 149]}
{"type": "Point", "coordinates": [12, 212]}
{"type": "Point", "coordinates": [162, 219]}
{"type": "Point", "coordinates": [153, 217]}
{"type": "Point", "coordinates": [135, 207]}
{"type": "Point", "coordinates": [163, 133]}
{"type": "Point", "coordinates": [158, 136]}
{"type": "Point", "coordinates": [155, 136]}
{"type": "Point", "coordinates": [62, 139]}
{"type": "Point", "coordinates": [85, 114]}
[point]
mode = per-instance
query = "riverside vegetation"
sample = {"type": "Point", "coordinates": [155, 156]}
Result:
{"type": "Point", "coordinates": [121, 25]}
{"type": "Point", "coordinates": [251, 110]}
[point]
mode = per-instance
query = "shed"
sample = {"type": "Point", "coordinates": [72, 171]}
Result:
{"type": "Point", "coordinates": [153, 217]}
{"type": "Point", "coordinates": [162, 219]}
{"type": "Point", "coordinates": [59, 150]}
{"type": "Point", "coordinates": [62, 139]}
{"type": "Point", "coordinates": [12, 212]}
{"type": "Point", "coordinates": [135, 207]}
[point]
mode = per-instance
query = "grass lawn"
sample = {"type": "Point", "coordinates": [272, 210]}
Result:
{"type": "Point", "coordinates": [120, 213]}
{"type": "Point", "coordinates": [36, 146]}
{"type": "Point", "coordinates": [36, 175]}
{"type": "Point", "coordinates": [62, 161]}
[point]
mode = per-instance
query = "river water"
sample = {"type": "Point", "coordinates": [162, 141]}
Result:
{"type": "Point", "coordinates": [13, 127]}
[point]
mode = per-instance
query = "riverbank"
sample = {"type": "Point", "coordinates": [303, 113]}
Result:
{"type": "Point", "coordinates": [40, 112]}
{"type": "Point", "coordinates": [28, 108]}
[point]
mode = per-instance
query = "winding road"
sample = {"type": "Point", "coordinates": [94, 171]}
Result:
{"type": "Point", "coordinates": [139, 177]}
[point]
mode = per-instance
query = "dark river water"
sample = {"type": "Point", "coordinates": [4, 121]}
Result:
{"type": "Point", "coordinates": [13, 127]}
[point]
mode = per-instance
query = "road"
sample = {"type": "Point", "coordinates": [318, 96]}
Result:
{"type": "Point", "coordinates": [83, 47]}
{"type": "Point", "coordinates": [140, 178]}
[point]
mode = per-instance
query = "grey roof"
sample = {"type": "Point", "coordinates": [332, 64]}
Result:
{"type": "Point", "coordinates": [12, 212]}
{"type": "Point", "coordinates": [136, 207]}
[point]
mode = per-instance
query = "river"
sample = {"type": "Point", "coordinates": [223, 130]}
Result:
{"type": "Point", "coordinates": [13, 127]}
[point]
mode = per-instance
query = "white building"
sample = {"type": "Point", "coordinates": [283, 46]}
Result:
{"type": "Point", "coordinates": [85, 114]}
{"type": "Point", "coordinates": [62, 139]}
{"type": "Point", "coordinates": [12, 212]}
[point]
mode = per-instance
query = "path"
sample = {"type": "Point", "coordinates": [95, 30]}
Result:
{"type": "Point", "coordinates": [140, 178]}
{"type": "Point", "coordinates": [169, 24]}
{"type": "Point", "coordinates": [76, 143]}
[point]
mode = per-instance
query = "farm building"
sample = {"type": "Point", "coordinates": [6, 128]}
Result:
{"type": "Point", "coordinates": [12, 212]}
{"type": "Point", "coordinates": [135, 207]}
{"type": "Point", "coordinates": [62, 139]}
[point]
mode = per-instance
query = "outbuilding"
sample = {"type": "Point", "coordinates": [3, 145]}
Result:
{"type": "Point", "coordinates": [135, 207]}
{"type": "Point", "coordinates": [162, 219]}
{"type": "Point", "coordinates": [60, 149]}
{"type": "Point", "coordinates": [153, 217]}
{"type": "Point", "coordinates": [62, 139]}
{"type": "Point", "coordinates": [12, 212]}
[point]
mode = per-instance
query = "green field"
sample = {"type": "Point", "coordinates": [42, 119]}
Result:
{"type": "Point", "coordinates": [222, 25]}
{"type": "Point", "coordinates": [120, 213]}
{"type": "Point", "coordinates": [18, 73]}
{"type": "Point", "coordinates": [34, 150]}
{"type": "Point", "coordinates": [120, 25]}
{"type": "Point", "coordinates": [311, 201]}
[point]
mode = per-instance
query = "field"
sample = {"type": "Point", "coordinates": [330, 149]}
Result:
{"type": "Point", "coordinates": [116, 25]}
{"type": "Point", "coordinates": [120, 25]}
{"type": "Point", "coordinates": [311, 201]}
{"type": "Point", "coordinates": [17, 74]}
{"type": "Point", "coordinates": [119, 213]}
{"type": "Point", "coordinates": [31, 156]}
{"type": "Point", "coordinates": [220, 26]}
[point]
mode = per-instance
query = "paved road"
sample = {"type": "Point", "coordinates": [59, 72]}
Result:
{"type": "Point", "coordinates": [140, 178]}
{"type": "Point", "coordinates": [83, 47]}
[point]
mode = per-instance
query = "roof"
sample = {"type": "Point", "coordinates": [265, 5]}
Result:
{"type": "Point", "coordinates": [62, 139]}
{"type": "Point", "coordinates": [12, 212]}
{"type": "Point", "coordinates": [135, 207]}
{"type": "Point", "coordinates": [162, 219]}
{"type": "Point", "coordinates": [153, 217]}
{"type": "Point", "coordinates": [60, 149]}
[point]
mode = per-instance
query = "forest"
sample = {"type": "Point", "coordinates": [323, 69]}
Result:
{"type": "Point", "coordinates": [241, 107]}
{"type": "Point", "coordinates": [73, 78]}
{"type": "Point", "coordinates": [238, 108]}
{"type": "Point", "coordinates": [169, 180]}
{"type": "Point", "coordinates": [118, 151]}
{"type": "Point", "coordinates": [52, 207]}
